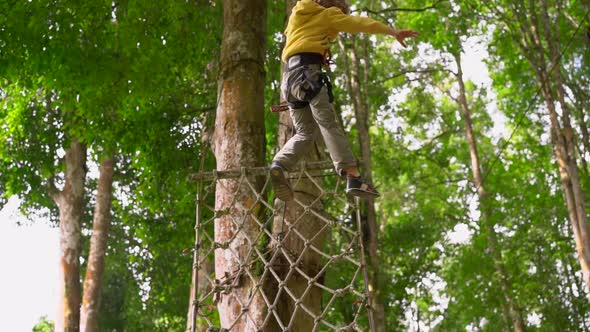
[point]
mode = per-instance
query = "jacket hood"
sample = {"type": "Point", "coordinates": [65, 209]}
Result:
{"type": "Point", "coordinates": [303, 11]}
{"type": "Point", "coordinates": [307, 7]}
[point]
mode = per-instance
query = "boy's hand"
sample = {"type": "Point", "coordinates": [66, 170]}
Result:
{"type": "Point", "coordinates": [401, 35]}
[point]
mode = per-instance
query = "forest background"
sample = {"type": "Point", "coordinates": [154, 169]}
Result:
{"type": "Point", "coordinates": [108, 106]}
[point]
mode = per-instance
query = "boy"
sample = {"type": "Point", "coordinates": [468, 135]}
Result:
{"type": "Point", "coordinates": [312, 26]}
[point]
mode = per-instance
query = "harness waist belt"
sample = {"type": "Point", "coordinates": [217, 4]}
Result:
{"type": "Point", "coordinates": [302, 59]}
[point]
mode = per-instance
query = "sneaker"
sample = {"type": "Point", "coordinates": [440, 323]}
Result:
{"type": "Point", "coordinates": [355, 186]}
{"type": "Point", "coordinates": [280, 183]}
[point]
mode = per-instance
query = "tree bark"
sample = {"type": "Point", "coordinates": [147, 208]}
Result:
{"type": "Point", "coordinates": [511, 306]}
{"type": "Point", "coordinates": [239, 141]}
{"type": "Point", "coordinates": [98, 246]}
{"type": "Point", "coordinates": [361, 111]}
{"type": "Point", "coordinates": [70, 201]}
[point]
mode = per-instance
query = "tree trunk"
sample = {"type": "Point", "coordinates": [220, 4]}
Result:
{"type": "Point", "coordinates": [294, 248]}
{"type": "Point", "coordinates": [361, 110]}
{"type": "Point", "coordinates": [309, 226]}
{"type": "Point", "coordinates": [566, 165]}
{"type": "Point", "coordinates": [581, 102]}
{"type": "Point", "coordinates": [570, 278]}
{"type": "Point", "coordinates": [98, 247]}
{"type": "Point", "coordinates": [511, 307]}
{"type": "Point", "coordinates": [239, 141]}
{"type": "Point", "coordinates": [70, 202]}
{"type": "Point", "coordinates": [577, 195]}
{"type": "Point", "coordinates": [562, 139]}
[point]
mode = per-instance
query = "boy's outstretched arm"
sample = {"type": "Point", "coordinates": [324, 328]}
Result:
{"type": "Point", "coordinates": [352, 24]}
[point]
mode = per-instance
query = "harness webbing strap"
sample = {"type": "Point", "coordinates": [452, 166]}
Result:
{"type": "Point", "coordinates": [316, 87]}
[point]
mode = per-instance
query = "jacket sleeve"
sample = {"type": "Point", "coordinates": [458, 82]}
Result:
{"type": "Point", "coordinates": [353, 24]}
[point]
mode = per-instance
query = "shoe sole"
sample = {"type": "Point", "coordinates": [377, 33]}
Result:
{"type": "Point", "coordinates": [362, 193]}
{"type": "Point", "coordinates": [281, 185]}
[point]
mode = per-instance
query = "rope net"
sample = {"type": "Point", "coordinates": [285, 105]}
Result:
{"type": "Point", "coordinates": [261, 264]}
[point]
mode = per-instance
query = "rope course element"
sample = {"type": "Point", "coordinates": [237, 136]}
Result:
{"type": "Point", "coordinates": [301, 261]}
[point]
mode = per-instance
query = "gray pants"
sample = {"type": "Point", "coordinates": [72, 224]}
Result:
{"type": "Point", "coordinates": [319, 114]}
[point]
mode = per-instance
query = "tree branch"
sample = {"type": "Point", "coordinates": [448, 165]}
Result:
{"type": "Point", "coordinates": [52, 190]}
{"type": "Point", "coordinates": [399, 9]}
{"type": "Point", "coordinates": [448, 93]}
{"type": "Point", "coordinates": [205, 109]}
{"type": "Point", "coordinates": [409, 71]}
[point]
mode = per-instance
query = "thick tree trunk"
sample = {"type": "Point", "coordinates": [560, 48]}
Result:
{"type": "Point", "coordinates": [98, 247]}
{"type": "Point", "coordinates": [307, 225]}
{"type": "Point", "coordinates": [239, 141]}
{"type": "Point", "coordinates": [70, 202]}
{"type": "Point", "coordinates": [511, 306]}
{"type": "Point", "coordinates": [361, 110]}
{"type": "Point", "coordinates": [310, 262]}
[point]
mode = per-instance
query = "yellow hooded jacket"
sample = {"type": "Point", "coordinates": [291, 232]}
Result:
{"type": "Point", "coordinates": [312, 27]}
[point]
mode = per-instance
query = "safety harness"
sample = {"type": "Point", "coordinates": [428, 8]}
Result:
{"type": "Point", "coordinates": [315, 85]}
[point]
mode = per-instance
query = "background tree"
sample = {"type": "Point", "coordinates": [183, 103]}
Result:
{"type": "Point", "coordinates": [139, 82]}
{"type": "Point", "coordinates": [88, 76]}
{"type": "Point", "coordinates": [538, 38]}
